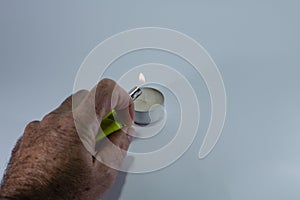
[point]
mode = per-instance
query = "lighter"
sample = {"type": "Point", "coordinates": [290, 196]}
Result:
{"type": "Point", "coordinates": [108, 123]}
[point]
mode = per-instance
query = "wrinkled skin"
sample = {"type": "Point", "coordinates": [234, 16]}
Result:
{"type": "Point", "coordinates": [50, 162]}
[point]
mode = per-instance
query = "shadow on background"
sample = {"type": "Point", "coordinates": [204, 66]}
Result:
{"type": "Point", "coordinates": [115, 191]}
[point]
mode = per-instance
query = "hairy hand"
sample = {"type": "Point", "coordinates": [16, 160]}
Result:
{"type": "Point", "coordinates": [50, 161]}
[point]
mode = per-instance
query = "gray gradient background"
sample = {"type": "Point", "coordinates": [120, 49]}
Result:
{"type": "Point", "coordinates": [254, 43]}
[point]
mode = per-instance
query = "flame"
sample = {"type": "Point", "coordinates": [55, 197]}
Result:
{"type": "Point", "coordinates": [142, 78]}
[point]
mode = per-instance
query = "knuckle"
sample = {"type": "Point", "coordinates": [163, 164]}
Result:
{"type": "Point", "coordinates": [82, 92]}
{"type": "Point", "coordinates": [66, 123]}
{"type": "Point", "coordinates": [107, 81]}
{"type": "Point", "coordinates": [32, 125]}
{"type": "Point", "coordinates": [78, 97]}
{"type": "Point", "coordinates": [106, 85]}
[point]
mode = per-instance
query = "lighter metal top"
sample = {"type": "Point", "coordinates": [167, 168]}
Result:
{"type": "Point", "coordinates": [135, 93]}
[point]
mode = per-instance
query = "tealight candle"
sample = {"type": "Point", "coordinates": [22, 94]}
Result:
{"type": "Point", "coordinates": [149, 106]}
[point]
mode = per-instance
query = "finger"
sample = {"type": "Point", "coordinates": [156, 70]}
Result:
{"type": "Point", "coordinates": [123, 138]}
{"type": "Point", "coordinates": [74, 99]}
{"type": "Point", "coordinates": [102, 99]}
{"type": "Point", "coordinates": [109, 95]}
{"type": "Point", "coordinates": [113, 151]}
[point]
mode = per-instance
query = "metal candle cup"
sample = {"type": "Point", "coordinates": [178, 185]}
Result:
{"type": "Point", "coordinates": [148, 107]}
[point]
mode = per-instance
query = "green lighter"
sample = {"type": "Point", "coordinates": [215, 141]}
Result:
{"type": "Point", "coordinates": [108, 123]}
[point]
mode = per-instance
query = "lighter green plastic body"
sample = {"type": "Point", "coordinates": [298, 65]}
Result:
{"type": "Point", "coordinates": [108, 126]}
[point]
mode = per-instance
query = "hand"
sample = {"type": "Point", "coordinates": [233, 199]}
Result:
{"type": "Point", "coordinates": [50, 161]}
